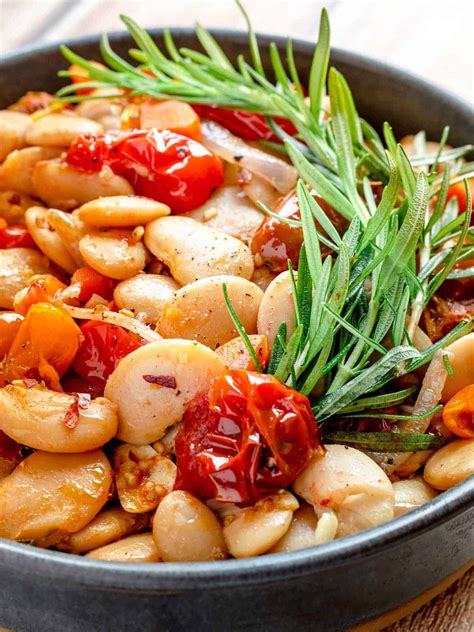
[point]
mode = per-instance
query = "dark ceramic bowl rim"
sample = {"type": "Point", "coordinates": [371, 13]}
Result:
{"type": "Point", "coordinates": [268, 568]}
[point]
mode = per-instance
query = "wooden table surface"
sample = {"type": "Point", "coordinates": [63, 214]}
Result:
{"type": "Point", "coordinates": [430, 39]}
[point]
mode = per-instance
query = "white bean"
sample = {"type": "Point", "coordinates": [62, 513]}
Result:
{"type": "Point", "coordinates": [17, 265]}
{"type": "Point", "coordinates": [121, 210]}
{"type": "Point", "coordinates": [47, 239]}
{"type": "Point", "coordinates": [145, 294]}
{"type": "Point", "coordinates": [13, 126]}
{"type": "Point", "coordinates": [277, 307]}
{"type": "Point", "coordinates": [49, 495]}
{"type": "Point", "coordinates": [198, 311]}
{"type": "Point", "coordinates": [138, 548]}
{"type": "Point", "coordinates": [147, 409]}
{"type": "Point", "coordinates": [193, 251]}
{"type": "Point", "coordinates": [351, 484]}
{"type": "Point", "coordinates": [17, 170]}
{"type": "Point", "coordinates": [410, 494]}
{"type": "Point", "coordinates": [113, 252]}
{"type": "Point", "coordinates": [39, 418]}
{"type": "Point", "coordinates": [13, 205]}
{"type": "Point", "coordinates": [185, 530]}
{"type": "Point", "coordinates": [462, 363]}
{"type": "Point", "coordinates": [142, 477]}
{"type": "Point", "coordinates": [104, 111]}
{"type": "Point", "coordinates": [450, 465]}
{"type": "Point", "coordinates": [64, 187]}
{"type": "Point", "coordinates": [300, 534]}
{"type": "Point", "coordinates": [255, 530]}
{"type": "Point", "coordinates": [229, 210]}
{"type": "Point", "coordinates": [70, 230]}
{"type": "Point", "coordinates": [108, 526]}
{"type": "Point", "coordinates": [59, 130]}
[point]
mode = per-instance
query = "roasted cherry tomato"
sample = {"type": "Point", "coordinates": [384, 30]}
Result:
{"type": "Point", "coordinates": [9, 325]}
{"type": "Point", "coordinates": [247, 125]}
{"type": "Point", "coordinates": [174, 116]}
{"type": "Point", "coordinates": [164, 166]}
{"type": "Point", "coordinates": [32, 102]}
{"type": "Point", "coordinates": [458, 190]}
{"type": "Point", "coordinates": [458, 414]}
{"type": "Point", "coordinates": [247, 437]}
{"type": "Point", "coordinates": [16, 237]}
{"type": "Point", "coordinates": [275, 242]}
{"type": "Point", "coordinates": [102, 347]}
{"type": "Point", "coordinates": [41, 289]}
{"type": "Point", "coordinates": [90, 282]}
{"type": "Point", "coordinates": [80, 75]}
{"type": "Point", "coordinates": [44, 346]}
{"type": "Point", "coordinates": [72, 383]}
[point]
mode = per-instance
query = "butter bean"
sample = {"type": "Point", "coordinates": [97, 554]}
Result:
{"type": "Point", "coordinates": [13, 126]}
{"type": "Point", "coordinates": [37, 418]}
{"type": "Point", "coordinates": [136, 548]}
{"type": "Point", "coordinates": [300, 534]}
{"type": "Point", "coordinates": [17, 265]}
{"type": "Point", "coordinates": [13, 205]}
{"type": "Point", "coordinates": [193, 251]}
{"type": "Point", "coordinates": [145, 294]}
{"type": "Point", "coordinates": [47, 239]}
{"type": "Point", "coordinates": [70, 230]}
{"type": "Point", "coordinates": [198, 311]}
{"type": "Point", "coordinates": [48, 495]}
{"type": "Point", "coordinates": [113, 253]}
{"type": "Point", "coordinates": [121, 210]}
{"type": "Point", "coordinates": [17, 170]}
{"type": "Point", "coordinates": [462, 363]}
{"type": "Point", "coordinates": [59, 130]}
{"type": "Point", "coordinates": [450, 465]}
{"type": "Point", "coordinates": [277, 307]}
{"type": "Point", "coordinates": [410, 494]}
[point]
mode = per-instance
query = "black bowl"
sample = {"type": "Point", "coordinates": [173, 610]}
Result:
{"type": "Point", "coordinates": [330, 587]}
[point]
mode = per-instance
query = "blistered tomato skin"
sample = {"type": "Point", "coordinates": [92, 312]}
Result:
{"type": "Point", "coordinates": [102, 347]}
{"type": "Point", "coordinates": [246, 438]}
{"type": "Point", "coordinates": [16, 237]}
{"type": "Point", "coordinates": [164, 166]}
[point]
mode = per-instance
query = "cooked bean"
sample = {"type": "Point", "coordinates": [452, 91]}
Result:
{"type": "Point", "coordinates": [13, 205]}
{"type": "Point", "coordinates": [142, 477]}
{"type": "Point", "coordinates": [59, 130]}
{"type": "Point", "coordinates": [55, 422]}
{"type": "Point", "coordinates": [255, 530]}
{"type": "Point", "coordinates": [450, 465]}
{"type": "Point", "coordinates": [229, 210]}
{"type": "Point", "coordinates": [64, 187]}
{"type": "Point", "coordinates": [326, 529]}
{"type": "Point", "coordinates": [198, 311]}
{"type": "Point", "coordinates": [145, 294]}
{"type": "Point", "coordinates": [70, 230]}
{"type": "Point", "coordinates": [136, 548]}
{"type": "Point", "coordinates": [17, 265]}
{"type": "Point", "coordinates": [410, 494]}
{"type": "Point", "coordinates": [185, 530]}
{"type": "Point", "coordinates": [104, 111]}
{"type": "Point", "coordinates": [50, 495]}
{"type": "Point", "coordinates": [121, 210]}
{"type": "Point", "coordinates": [17, 170]}
{"type": "Point", "coordinates": [236, 355]}
{"type": "Point", "coordinates": [47, 239]}
{"type": "Point", "coordinates": [193, 251]}
{"type": "Point", "coordinates": [113, 253]}
{"type": "Point", "coordinates": [351, 484]}
{"type": "Point", "coordinates": [277, 307]}
{"type": "Point", "coordinates": [462, 363]}
{"type": "Point", "coordinates": [13, 126]}
{"type": "Point", "coordinates": [108, 526]}
{"type": "Point", "coordinates": [153, 384]}
{"type": "Point", "coordinates": [300, 534]}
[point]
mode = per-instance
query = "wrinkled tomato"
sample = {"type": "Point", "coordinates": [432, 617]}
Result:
{"type": "Point", "coordinates": [73, 383]}
{"type": "Point", "coordinates": [32, 102]}
{"type": "Point", "coordinates": [9, 325]}
{"type": "Point", "coordinates": [15, 237]}
{"type": "Point", "coordinates": [247, 125]}
{"type": "Point", "coordinates": [102, 347]}
{"type": "Point", "coordinates": [442, 315]}
{"type": "Point", "coordinates": [163, 165]}
{"type": "Point", "coordinates": [275, 242]}
{"type": "Point", "coordinates": [42, 289]}
{"type": "Point", "coordinates": [247, 437]}
{"type": "Point", "coordinates": [90, 282]}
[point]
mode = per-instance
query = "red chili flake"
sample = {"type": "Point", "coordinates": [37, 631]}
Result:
{"type": "Point", "coordinates": [168, 381]}
{"type": "Point", "coordinates": [324, 502]}
{"type": "Point", "coordinates": [72, 414]}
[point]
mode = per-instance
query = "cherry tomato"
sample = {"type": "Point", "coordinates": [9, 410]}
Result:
{"type": "Point", "coordinates": [44, 346]}
{"type": "Point", "coordinates": [9, 325]}
{"type": "Point", "coordinates": [458, 414]}
{"type": "Point", "coordinates": [247, 125]}
{"type": "Point", "coordinates": [72, 383]}
{"type": "Point", "coordinates": [458, 190]}
{"type": "Point", "coordinates": [42, 289]}
{"type": "Point", "coordinates": [163, 165]}
{"type": "Point", "coordinates": [102, 348]}
{"type": "Point", "coordinates": [32, 102]}
{"type": "Point", "coordinates": [16, 236]}
{"type": "Point", "coordinates": [174, 116]}
{"type": "Point", "coordinates": [276, 242]}
{"type": "Point", "coordinates": [80, 75]}
{"type": "Point", "coordinates": [91, 282]}
{"type": "Point", "coordinates": [247, 437]}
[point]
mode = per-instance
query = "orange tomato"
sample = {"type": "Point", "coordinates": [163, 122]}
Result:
{"type": "Point", "coordinates": [9, 325]}
{"type": "Point", "coordinates": [91, 282]}
{"type": "Point", "coordinates": [80, 75]}
{"type": "Point", "coordinates": [44, 346]}
{"type": "Point", "coordinates": [458, 190]}
{"type": "Point", "coordinates": [174, 116]}
{"type": "Point", "coordinates": [235, 355]}
{"type": "Point", "coordinates": [458, 414]}
{"type": "Point", "coordinates": [42, 288]}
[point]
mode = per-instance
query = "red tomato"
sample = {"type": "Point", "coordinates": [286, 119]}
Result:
{"type": "Point", "coordinates": [162, 165]}
{"type": "Point", "coordinates": [102, 348]}
{"type": "Point", "coordinates": [32, 102]}
{"type": "Point", "coordinates": [72, 383]}
{"type": "Point", "coordinates": [91, 282]}
{"type": "Point", "coordinates": [247, 125]}
{"type": "Point", "coordinates": [246, 438]}
{"type": "Point", "coordinates": [16, 237]}
{"type": "Point", "coordinates": [458, 190]}
{"type": "Point", "coordinates": [80, 75]}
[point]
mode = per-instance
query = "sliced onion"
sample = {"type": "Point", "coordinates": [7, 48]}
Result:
{"type": "Point", "coordinates": [114, 318]}
{"type": "Point", "coordinates": [420, 340]}
{"type": "Point", "coordinates": [258, 190]}
{"type": "Point", "coordinates": [232, 149]}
